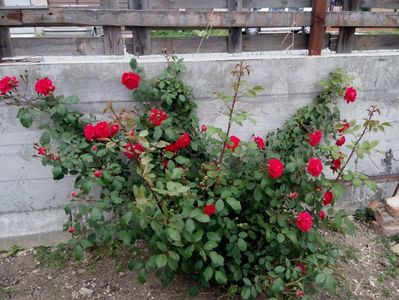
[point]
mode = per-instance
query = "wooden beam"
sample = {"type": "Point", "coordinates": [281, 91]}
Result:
{"type": "Point", "coordinates": [392, 4]}
{"type": "Point", "coordinates": [189, 19]}
{"type": "Point", "coordinates": [6, 48]}
{"type": "Point", "coordinates": [141, 35]}
{"type": "Point", "coordinates": [113, 40]}
{"type": "Point", "coordinates": [317, 27]}
{"type": "Point", "coordinates": [235, 33]}
{"type": "Point", "coordinates": [210, 4]}
{"type": "Point", "coordinates": [346, 36]}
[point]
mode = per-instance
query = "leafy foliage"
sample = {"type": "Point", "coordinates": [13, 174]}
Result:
{"type": "Point", "coordinates": [210, 206]}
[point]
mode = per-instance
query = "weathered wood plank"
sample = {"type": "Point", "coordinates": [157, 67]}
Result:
{"type": "Point", "coordinates": [58, 46]}
{"type": "Point", "coordinates": [235, 33]}
{"type": "Point", "coordinates": [198, 19]}
{"type": "Point", "coordinates": [141, 35]}
{"type": "Point", "coordinates": [113, 40]}
{"type": "Point", "coordinates": [209, 4]}
{"type": "Point", "coordinates": [346, 36]}
{"type": "Point", "coordinates": [370, 42]}
{"type": "Point", "coordinates": [380, 4]}
{"type": "Point", "coordinates": [317, 27]}
{"type": "Point", "coordinates": [6, 47]}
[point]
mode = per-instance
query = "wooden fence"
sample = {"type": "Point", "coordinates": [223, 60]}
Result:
{"type": "Point", "coordinates": [142, 16]}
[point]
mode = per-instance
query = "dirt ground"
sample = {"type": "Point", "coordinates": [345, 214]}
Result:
{"type": "Point", "coordinates": [369, 270]}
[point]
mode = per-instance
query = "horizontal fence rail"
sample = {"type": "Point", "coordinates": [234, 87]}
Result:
{"type": "Point", "coordinates": [139, 17]}
{"type": "Point", "coordinates": [188, 19]}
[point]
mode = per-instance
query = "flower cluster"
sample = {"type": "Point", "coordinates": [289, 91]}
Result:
{"type": "Point", "coordinates": [101, 130]}
{"type": "Point", "coordinates": [182, 142]}
{"type": "Point", "coordinates": [44, 87]}
{"type": "Point", "coordinates": [157, 116]}
{"type": "Point", "coordinates": [7, 84]}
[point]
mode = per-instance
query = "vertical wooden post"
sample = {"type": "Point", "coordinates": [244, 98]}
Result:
{"type": "Point", "coordinates": [346, 36]}
{"type": "Point", "coordinates": [235, 33]}
{"type": "Point", "coordinates": [113, 40]}
{"type": "Point", "coordinates": [317, 27]}
{"type": "Point", "coordinates": [6, 48]}
{"type": "Point", "coordinates": [141, 35]}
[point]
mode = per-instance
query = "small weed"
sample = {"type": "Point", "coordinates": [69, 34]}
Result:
{"type": "Point", "coordinates": [14, 250]}
{"type": "Point", "coordinates": [364, 215]}
{"type": "Point", "coordinates": [5, 292]}
{"type": "Point", "coordinates": [54, 258]}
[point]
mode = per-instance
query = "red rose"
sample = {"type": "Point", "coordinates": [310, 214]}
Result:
{"type": "Point", "coordinates": [41, 151]}
{"type": "Point", "coordinates": [350, 94]}
{"type": "Point", "coordinates": [71, 230]}
{"type": "Point", "coordinates": [209, 209]}
{"type": "Point", "coordinates": [235, 142]}
{"type": "Point", "coordinates": [183, 141]}
{"type": "Point", "coordinates": [98, 173]}
{"type": "Point", "coordinates": [203, 128]}
{"type": "Point", "coordinates": [294, 195]}
{"type": "Point", "coordinates": [130, 80]}
{"type": "Point", "coordinates": [315, 138]}
{"type": "Point", "coordinates": [132, 133]}
{"type": "Point", "coordinates": [328, 198]}
{"type": "Point", "coordinates": [94, 148]}
{"type": "Point", "coordinates": [336, 164]}
{"type": "Point", "coordinates": [301, 266]}
{"type": "Point", "coordinates": [89, 132]}
{"type": "Point", "coordinates": [304, 221]}
{"type": "Point", "coordinates": [276, 168]}
{"type": "Point", "coordinates": [74, 194]}
{"type": "Point", "coordinates": [171, 148]}
{"type": "Point", "coordinates": [102, 130]}
{"type": "Point", "coordinates": [133, 150]}
{"type": "Point", "coordinates": [157, 116]}
{"type": "Point", "coordinates": [343, 127]}
{"type": "Point", "coordinates": [165, 164]}
{"type": "Point", "coordinates": [260, 142]}
{"type": "Point", "coordinates": [315, 166]}
{"type": "Point", "coordinates": [322, 215]}
{"type": "Point", "coordinates": [114, 129]}
{"type": "Point", "coordinates": [299, 294]}
{"type": "Point", "coordinates": [44, 86]}
{"type": "Point", "coordinates": [7, 84]}
{"type": "Point", "coordinates": [340, 141]}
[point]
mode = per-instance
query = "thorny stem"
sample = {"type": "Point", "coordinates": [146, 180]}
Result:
{"type": "Point", "coordinates": [239, 73]}
{"type": "Point", "coordinates": [366, 129]}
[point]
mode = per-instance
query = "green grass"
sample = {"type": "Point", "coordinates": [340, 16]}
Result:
{"type": "Point", "coordinates": [392, 270]}
{"type": "Point", "coordinates": [189, 33]}
{"type": "Point", "coordinates": [54, 258]}
{"type": "Point", "coordinates": [4, 293]}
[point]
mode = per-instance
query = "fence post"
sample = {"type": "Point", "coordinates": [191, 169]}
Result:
{"type": "Point", "coordinates": [141, 35]}
{"type": "Point", "coordinates": [6, 48]}
{"type": "Point", "coordinates": [317, 26]}
{"type": "Point", "coordinates": [235, 34]}
{"type": "Point", "coordinates": [346, 36]}
{"type": "Point", "coordinates": [113, 40]}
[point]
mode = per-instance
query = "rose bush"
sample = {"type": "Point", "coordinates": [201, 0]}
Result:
{"type": "Point", "coordinates": [244, 215]}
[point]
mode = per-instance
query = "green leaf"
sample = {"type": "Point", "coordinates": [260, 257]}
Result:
{"type": "Point", "coordinates": [190, 225]}
{"type": "Point", "coordinates": [127, 217]}
{"type": "Point", "coordinates": [26, 119]}
{"type": "Point", "coordinates": [217, 259]}
{"type": "Point", "coordinates": [203, 218]}
{"type": "Point", "coordinates": [45, 138]}
{"type": "Point", "coordinates": [258, 194]}
{"type": "Point", "coordinates": [78, 253]}
{"type": "Point", "coordinates": [95, 214]}
{"type": "Point", "coordinates": [133, 64]}
{"type": "Point", "coordinates": [173, 234]}
{"type": "Point", "coordinates": [220, 277]}
{"type": "Point", "coordinates": [70, 100]}
{"type": "Point", "coordinates": [142, 276]}
{"type": "Point", "coordinates": [161, 260]}
{"type": "Point", "coordinates": [246, 293]}
{"type": "Point", "coordinates": [157, 133]}
{"type": "Point", "coordinates": [208, 273]}
{"type": "Point", "coordinates": [278, 286]}
{"type": "Point", "coordinates": [242, 245]}
{"type": "Point", "coordinates": [357, 182]}
{"type": "Point", "coordinates": [320, 278]}
{"type": "Point", "coordinates": [209, 245]}
{"type": "Point", "coordinates": [371, 185]}
{"type": "Point", "coordinates": [280, 238]}
{"type": "Point", "coordinates": [86, 244]}
{"type": "Point", "coordinates": [234, 204]}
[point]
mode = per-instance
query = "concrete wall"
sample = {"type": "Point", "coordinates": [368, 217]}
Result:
{"type": "Point", "coordinates": [31, 202]}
